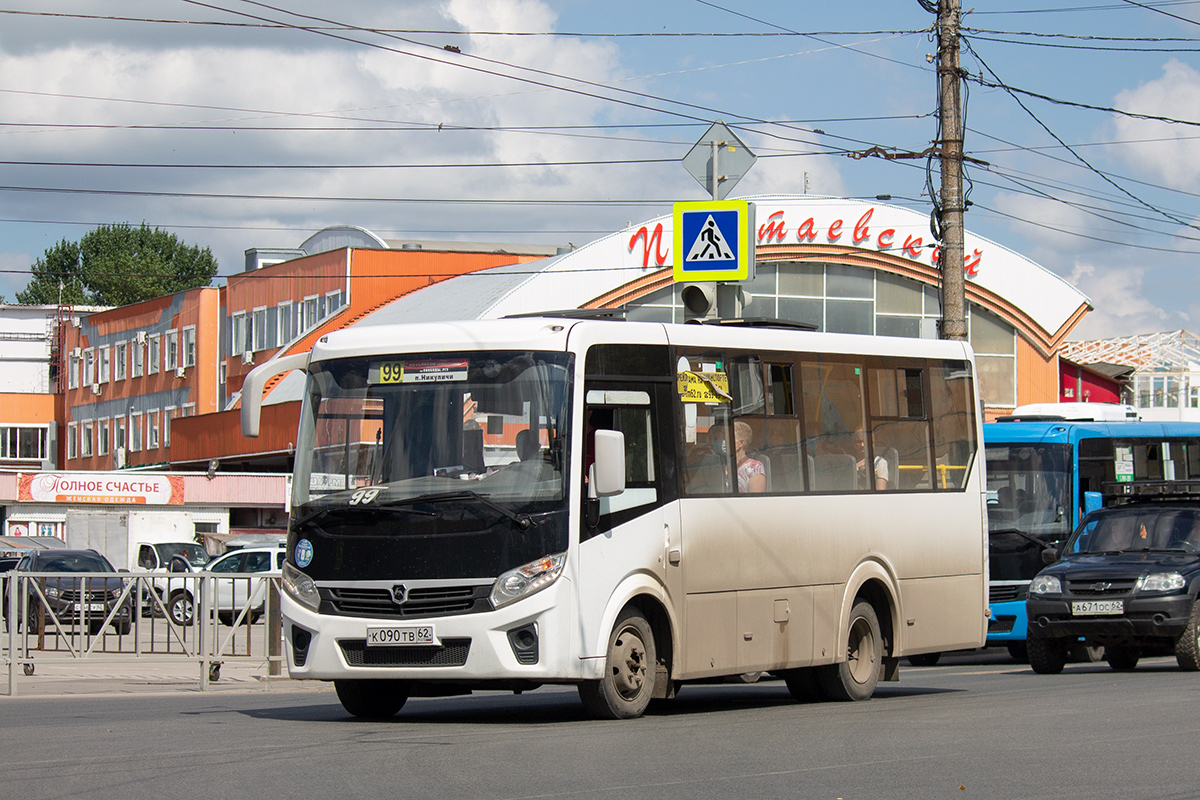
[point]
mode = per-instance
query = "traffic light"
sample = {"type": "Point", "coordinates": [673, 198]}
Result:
{"type": "Point", "coordinates": [706, 300]}
{"type": "Point", "coordinates": [699, 300]}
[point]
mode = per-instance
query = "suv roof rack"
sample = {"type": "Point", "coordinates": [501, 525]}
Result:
{"type": "Point", "coordinates": [1147, 489]}
{"type": "Point", "coordinates": [756, 322]}
{"type": "Point", "coordinates": [572, 313]}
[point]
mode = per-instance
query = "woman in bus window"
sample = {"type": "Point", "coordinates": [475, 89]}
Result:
{"type": "Point", "coordinates": [751, 475]}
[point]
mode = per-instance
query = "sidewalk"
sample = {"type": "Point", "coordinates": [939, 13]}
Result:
{"type": "Point", "coordinates": [55, 677]}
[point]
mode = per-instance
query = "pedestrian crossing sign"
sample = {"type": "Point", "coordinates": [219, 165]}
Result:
{"type": "Point", "coordinates": [714, 241]}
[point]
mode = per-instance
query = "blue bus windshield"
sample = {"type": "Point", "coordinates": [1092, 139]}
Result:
{"type": "Point", "coordinates": [1029, 489]}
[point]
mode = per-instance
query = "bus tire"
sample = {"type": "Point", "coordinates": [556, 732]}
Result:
{"type": "Point", "coordinates": [372, 699]}
{"type": "Point", "coordinates": [629, 670]}
{"type": "Point", "coordinates": [1122, 659]}
{"type": "Point", "coordinates": [802, 684]}
{"type": "Point", "coordinates": [1187, 646]}
{"type": "Point", "coordinates": [1018, 651]}
{"type": "Point", "coordinates": [1047, 656]}
{"type": "Point", "coordinates": [855, 678]}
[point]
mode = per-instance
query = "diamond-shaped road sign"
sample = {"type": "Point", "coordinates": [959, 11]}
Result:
{"type": "Point", "coordinates": [719, 160]}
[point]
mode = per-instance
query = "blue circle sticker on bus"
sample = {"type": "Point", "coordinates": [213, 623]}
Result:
{"type": "Point", "coordinates": [304, 553]}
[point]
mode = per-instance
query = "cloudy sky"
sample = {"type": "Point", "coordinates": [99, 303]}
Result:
{"type": "Point", "coordinates": [239, 124]}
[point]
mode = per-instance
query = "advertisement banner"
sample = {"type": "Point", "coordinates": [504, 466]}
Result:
{"type": "Point", "coordinates": [100, 487]}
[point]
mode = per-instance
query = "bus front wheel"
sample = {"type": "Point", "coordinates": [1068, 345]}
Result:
{"type": "Point", "coordinates": [629, 671]}
{"type": "Point", "coordinates": [372, 699]}
{"type": "Point", "coordinates": [855, 678]}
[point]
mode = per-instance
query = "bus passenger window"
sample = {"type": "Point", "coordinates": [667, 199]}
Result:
{"type": "Point", "coordinates": [834, 420]}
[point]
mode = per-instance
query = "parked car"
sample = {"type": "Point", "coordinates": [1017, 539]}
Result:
{"type": "Point", "coordinates": [6, 563]}
{"type": "Point", "coordinates": [238, 582]}
{"type": "Point", "coordinates": [1126, 580]}
{"type": "Point", "coordinates": [73, 600]}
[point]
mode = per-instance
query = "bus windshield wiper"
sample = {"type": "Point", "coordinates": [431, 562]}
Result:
{"type": "Point", "coordinates": [1039, 542]}
{"type": "Point", "coordinates": [522, 520]}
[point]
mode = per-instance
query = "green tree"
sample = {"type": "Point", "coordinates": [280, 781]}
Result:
{"type": "Point", "coordinates": [115, 265]}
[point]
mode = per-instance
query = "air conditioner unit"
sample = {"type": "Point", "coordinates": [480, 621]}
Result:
{"type": "Point", "coordinates": [248, 357]}
{"type": "Point", "coordinates": [141, 337]}
{"type": "Point", "coordinates": [77, 352]}
{"type": "Point", "coordinates": [75, 322]}
{"type": "Point", "coordinates": [95, 388]}
{"type": "Point", "coordinates": [179, 372]}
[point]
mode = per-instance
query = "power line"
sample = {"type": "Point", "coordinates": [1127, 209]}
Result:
{"type": "Point", "coordinates": [451, 32]}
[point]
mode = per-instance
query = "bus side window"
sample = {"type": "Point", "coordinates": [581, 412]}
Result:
{"type": "Point", "coordinates": [899, 426]}
{"type": "Point", "coordinates": [834, 422]}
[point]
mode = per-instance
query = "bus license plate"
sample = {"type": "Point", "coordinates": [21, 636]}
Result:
{"type": "Point", "coordinates": [1081, 608]}
{"type": "Point", "coordinates": [400, 636]}
{"type": "Point", "coordinates": [90, 606]}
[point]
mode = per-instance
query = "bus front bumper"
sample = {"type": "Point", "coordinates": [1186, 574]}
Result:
{"type": "Point", "coordinates": [528, 640]}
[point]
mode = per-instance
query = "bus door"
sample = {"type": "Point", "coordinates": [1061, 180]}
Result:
{"type": "Point", "coordinates": [636, 532]}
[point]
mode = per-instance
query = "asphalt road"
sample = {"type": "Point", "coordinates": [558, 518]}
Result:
{"type": "Point", "coordinates": [975, 726]}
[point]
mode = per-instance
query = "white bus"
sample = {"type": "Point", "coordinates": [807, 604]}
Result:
{"type": "Point", "coordinates": [510, 503]}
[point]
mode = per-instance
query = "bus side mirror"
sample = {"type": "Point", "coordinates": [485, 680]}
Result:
{"type": "Point", "coordinates": [608, 470]}
{"type": "Point", "coordinates": [1050, 556]}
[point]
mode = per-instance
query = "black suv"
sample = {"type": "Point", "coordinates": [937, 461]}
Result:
{"type": "Point", "coordinates": [73, 600]}
{"type": "Point", "coordinates": [1127, 580]}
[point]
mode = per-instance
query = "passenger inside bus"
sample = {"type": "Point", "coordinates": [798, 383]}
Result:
{"type": "Point", "coordinates": [751, 473]}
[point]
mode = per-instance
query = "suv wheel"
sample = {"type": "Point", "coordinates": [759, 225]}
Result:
{"type": "Point", "coordinates": [1047, 656]}
{"type": "Point", "coordinates": [1187, 647]}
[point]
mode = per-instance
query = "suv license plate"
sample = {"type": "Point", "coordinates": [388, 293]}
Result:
{"type": "Point", "coordinates": [90, 607]}
{"type": "Point", "coordinates": [1081, 608]}
{"type": "Point", "coordinates": [400, 636]}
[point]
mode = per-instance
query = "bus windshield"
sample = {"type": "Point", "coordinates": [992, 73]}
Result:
{"type": "Point", "coordinates": [487, 425]}
{"type": "Point", "coordinates": [1029, 489]}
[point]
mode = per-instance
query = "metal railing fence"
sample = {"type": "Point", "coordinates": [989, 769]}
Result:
{"type": "Point", "coordinates": [76, 617]}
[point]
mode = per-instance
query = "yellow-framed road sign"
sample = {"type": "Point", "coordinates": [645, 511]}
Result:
{"type": "Point", "coordinates": [714, 240]}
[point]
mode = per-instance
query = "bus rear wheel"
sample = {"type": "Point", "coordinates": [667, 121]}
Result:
{"type": "Point", "coordinates": [855, 678]}
{"type": "Point", "coordinates": [630, 665]}
{"type": "Point", "coordinates": [372, 699]}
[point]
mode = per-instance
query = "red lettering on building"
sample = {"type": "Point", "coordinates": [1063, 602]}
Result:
{"type": "Point", "coordinates": [911, 247]}
{"type": "Point", "coordinates": [650, 240]}
{"type": "Point", "coordinates": [775, 228]}
{"type": "Point", "coordinates": [936, 257]}
{"type": "Point", "coordinates": [884, 241]}
{"type": "Point", "coordinates": [972, 265]}
{"type": "Point", "coordinates": [835, 230]}
{"type": "Point", "coordinates": [861, 229]}
{"type": "Point", "coordinates": [807, 230]}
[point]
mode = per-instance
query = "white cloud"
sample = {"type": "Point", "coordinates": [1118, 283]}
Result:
{"type": "Point", "coordinates": [1121, 305]}
{"type": "Point", "coordinates": [1174, 156]}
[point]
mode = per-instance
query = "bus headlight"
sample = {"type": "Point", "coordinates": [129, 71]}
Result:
{"type": "Point", "coordinates": [300, 587]}
{"type": "Point", "coordinates": [524, 581]}
{"type": "Point", "coordinates": [1045, 584]}
{"type": "Point", "coordinates": [1159, 582]}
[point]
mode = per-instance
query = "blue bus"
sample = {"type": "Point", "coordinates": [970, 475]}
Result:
{"type": "Point", "coordinates": [1045, 473]}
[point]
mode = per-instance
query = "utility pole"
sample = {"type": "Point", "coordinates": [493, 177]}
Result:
{"type": "Point", "coordinates": [954, 317]}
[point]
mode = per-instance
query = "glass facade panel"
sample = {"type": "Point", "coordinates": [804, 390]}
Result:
{"type": "Point", "coordinates": [849, 316]}
{"type": "Point", "coordinates": [997, 380]}
{"type": "Point", "coordinates": [807, 280]}
{"type": "Point", "coordinates": [896, 295]}
{"type": "Point", "coordinates": [845, 281]}
{"type": "Point", "coordinates": [898, 326]}
{"type": "Point", "coordinates": [991, 335]}
{"type": "Point", "coordinates": [800, 310]}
